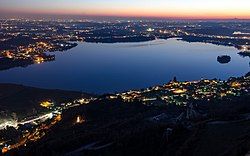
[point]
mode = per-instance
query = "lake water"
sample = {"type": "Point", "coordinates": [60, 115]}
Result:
{"type": "Point", "coordinates": [101, 68]}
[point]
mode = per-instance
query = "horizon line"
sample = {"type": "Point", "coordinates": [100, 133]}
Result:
{"type": "Point", "coordinates": [79, 16]}
{"type": "Point", "coordinates": [27, 14]}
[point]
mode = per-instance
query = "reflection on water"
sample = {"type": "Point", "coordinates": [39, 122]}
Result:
{"type": "Point", "coordinates": [142, 44]}
{"type": "Point", "coordinates": [101, 68]}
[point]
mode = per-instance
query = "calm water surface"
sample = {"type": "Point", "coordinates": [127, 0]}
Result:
{"type": "Point", "coordinates": [102, 68]}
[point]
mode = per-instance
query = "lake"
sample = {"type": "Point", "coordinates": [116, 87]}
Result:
{"type": "Point", "coordinates": [102, 68]}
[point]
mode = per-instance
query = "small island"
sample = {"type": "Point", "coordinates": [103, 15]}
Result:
{"type": "Point", "coordinates": [223, 59]}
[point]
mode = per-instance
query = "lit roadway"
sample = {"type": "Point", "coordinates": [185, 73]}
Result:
{"type": "Point", "coordinates": [15, 124]}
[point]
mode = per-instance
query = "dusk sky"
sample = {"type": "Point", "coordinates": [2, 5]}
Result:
{"type": "Point", "coordinates": [141, 8]}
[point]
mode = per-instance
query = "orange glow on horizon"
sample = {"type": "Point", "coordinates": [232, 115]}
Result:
{"type": "Point", "coordinates": [191, 9]}
{"type": "Point", "coordinates": [143, 13]}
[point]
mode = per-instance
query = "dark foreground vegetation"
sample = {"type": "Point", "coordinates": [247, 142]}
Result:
{"type": "Point", "coordinates": [25, 100]}
{"type": "Point", "coordinates": [114, 127]}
